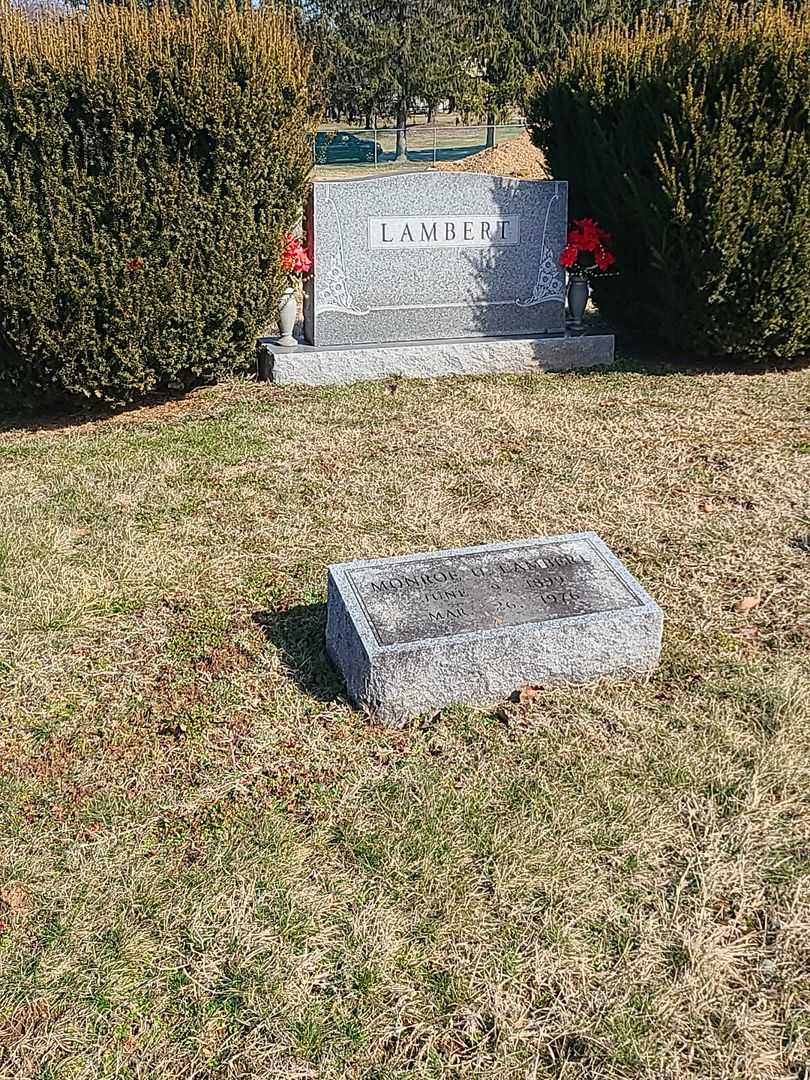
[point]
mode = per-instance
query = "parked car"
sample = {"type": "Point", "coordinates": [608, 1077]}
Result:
{"type": "Point", "coordinates": [331, 146]}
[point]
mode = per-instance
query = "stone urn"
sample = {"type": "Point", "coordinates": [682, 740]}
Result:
{"type": "Point", "coordinates": [578, 292]}
{"type": "Point", "coordinates": [287, 314]}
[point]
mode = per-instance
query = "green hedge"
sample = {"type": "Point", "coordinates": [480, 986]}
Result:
{"type": "Point", "coordinates": [688, 137]}
{"type": "Point", "coordinates": [149, 164]}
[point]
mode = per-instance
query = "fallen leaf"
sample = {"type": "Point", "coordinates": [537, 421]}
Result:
{"type": "Point", "coordinates": [748, 603]}
{"type": "Point", "coordinates": [707, 506]}
{"type": "Point", "coordinates": [14, 898]}
{"type": "Point", "coordinates": [747, 632]}
{"type": "Point", "coordinates": [526, 694]}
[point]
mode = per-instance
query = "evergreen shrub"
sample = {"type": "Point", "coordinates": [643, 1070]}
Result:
{"type": "Point", "coordinates": [688, 138]}
{"type": "Point", "coordinates": [150, 162]}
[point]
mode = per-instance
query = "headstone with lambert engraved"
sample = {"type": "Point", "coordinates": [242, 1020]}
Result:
{"type": "Point", "coordinates": [435, 273]}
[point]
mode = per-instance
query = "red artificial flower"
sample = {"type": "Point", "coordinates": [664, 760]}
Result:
{"type": "Point", "coordinates": [586, 234]}
{"type": "Point", "coordinates": [294, 258]}
{"type": "Point", "coordinates": [586, 237]}
{"type": "Point", "coordinates": [132, 266]}
{"type": "Point", "coordinates": [592, 233]}
{"type": "Point", "coordinates": [604, 258]}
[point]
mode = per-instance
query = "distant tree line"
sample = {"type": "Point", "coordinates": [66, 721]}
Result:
{"type": "Point", "coordinates": [386, 58]}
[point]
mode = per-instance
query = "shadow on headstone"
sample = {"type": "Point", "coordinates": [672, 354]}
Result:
{"type": "Point", "coordinates": [521, 285]}
{"type": "Point", "coordinates": [298, 635]}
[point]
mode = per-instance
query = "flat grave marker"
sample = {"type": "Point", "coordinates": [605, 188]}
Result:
{"type": "Point", "coordinates": [471, 625]}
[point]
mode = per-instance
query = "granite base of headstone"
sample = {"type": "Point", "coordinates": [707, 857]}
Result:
{"type": "Point", "coordinates": [310, 366]}
{"type": "Point", "coordinates": [469, 626]}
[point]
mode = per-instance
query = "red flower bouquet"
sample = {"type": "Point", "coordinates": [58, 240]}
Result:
{"type": "Point", "coordinates": [294, 258]}
{"type": "Point", "coordinates": [587, 250]}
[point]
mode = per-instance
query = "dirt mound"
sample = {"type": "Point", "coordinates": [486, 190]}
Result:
{"type": "Point", "coordinates": [519, 157]}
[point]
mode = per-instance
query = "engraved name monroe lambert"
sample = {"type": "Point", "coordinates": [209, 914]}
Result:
{"type": "Point", "coordinates": [512, 566]}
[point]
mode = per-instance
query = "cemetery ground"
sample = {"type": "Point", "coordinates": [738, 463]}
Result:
{"type": "Point", "coordinates": [211, 866]}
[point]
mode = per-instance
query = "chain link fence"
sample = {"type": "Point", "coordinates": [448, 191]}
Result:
{"type": "Point", "coordinates": [422, 145]}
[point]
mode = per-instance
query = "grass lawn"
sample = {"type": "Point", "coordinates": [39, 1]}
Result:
{"type": "Point", "coordinates": [212, 867]}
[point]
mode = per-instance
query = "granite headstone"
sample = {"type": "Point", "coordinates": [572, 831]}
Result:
{"type": "Point", "coordinates": [433, 255]}
{"type": "Point", "coordinates": [471, 625]}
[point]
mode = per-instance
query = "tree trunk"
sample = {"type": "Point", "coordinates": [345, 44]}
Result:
{"type": "Point", "coordinates": [490, 130]}
{"type": "Point", "coordinates": [430, 114]}
{"type": "Point", "coordinates": [402, 133]}
{"type": "Point", "coordinates": [369, 120]}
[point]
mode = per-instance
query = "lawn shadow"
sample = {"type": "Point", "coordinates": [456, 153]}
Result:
{"type": "Point", "coordinates": [299, 635]}
{"type": "Point", "coordinates": [61, 415]}
{"type": "Point", "coordinates": [641, 355]}
{"type": "Point", "coordinates": [428, 155]}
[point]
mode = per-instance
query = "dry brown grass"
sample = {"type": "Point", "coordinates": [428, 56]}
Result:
{"type": "Point", "coordinates": [211, 867]}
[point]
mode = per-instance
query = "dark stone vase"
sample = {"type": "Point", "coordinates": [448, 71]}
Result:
{"type": "Point", "coordinates": [578, 292]}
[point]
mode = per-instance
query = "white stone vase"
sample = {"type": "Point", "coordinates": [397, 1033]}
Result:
{"type": "Point", "coordinates": [578, 292]}
{"type": "Point", "coordinates": [287, 314]}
